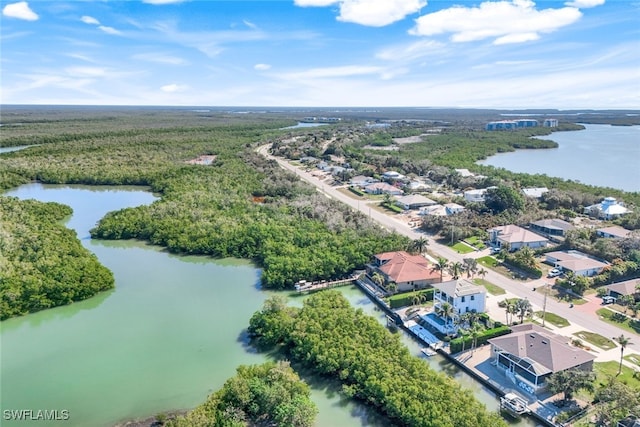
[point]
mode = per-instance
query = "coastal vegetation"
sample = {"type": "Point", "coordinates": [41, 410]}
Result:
{"type": "Point", "coordinates": [42, 263]}
{"type": "Point", "coordinates": [271, 394]}
{"type": "Point", "coordinates": [330, 337]}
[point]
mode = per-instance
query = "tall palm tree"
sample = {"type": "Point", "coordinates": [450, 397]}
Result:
{"type": "Point", "coordinates": [482, 272]}
{"type": "Point", "coordinates": [470, 266]}
{"type": "Point", "coordinates": [420, 244]}
{"type": "Point", "coordinates": [623, 341]}
{"type": "Point", "coordinates": [475, 333]}
{"type": "Point", "coordinates": [456, 268]}
{"type": "Point", "coordinates": [446, 310]}
{"type": "Point", "coordinates": [441, 265]}
{"type": "Point", "coordinates": [523, 308]}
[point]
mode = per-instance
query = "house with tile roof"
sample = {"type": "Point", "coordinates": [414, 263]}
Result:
{"type": "Point", "coordinates": [576, 262]}
{"type": "Point", "coordinates": [614, 232]}
{"type": "Point", "coordinates": [626, 288]}
{"type": "Point", "coordinates": [409, 272]}
{"type": "Point", "coordinates": [530, 354]}
{"type": "Point", "coordinates": [513, 238]}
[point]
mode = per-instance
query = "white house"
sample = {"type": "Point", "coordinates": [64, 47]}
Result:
{"type": "Point", "coordinates": [414, 201]}
{"type": "Point", "coordinates": [453, 208]}
{"type": "Point", "coordinates": [392, 175]}
{"type": "Point", "coordinates": [534, 192]}
{"type": "Point", "coordinates": [607, 209]}
{"type": "Point", "coordinates": [463, 295]}
{"type": "Point", "coordinates": [475, 196]}
{"type": "Point", "coordinates": [577, 262]}
{"type": "Point", "coordinates": [362, 181]}
{"type": "Point", "coordinates": [513, 238]}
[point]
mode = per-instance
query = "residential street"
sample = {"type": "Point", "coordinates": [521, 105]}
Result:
{"type": "Point", "coordinates": [581, 317]}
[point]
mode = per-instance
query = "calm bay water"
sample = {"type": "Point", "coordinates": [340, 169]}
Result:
{"type": "Point", "coordinates": [169, 334]}
{"type": "Point", "coordinates": [602, 155]}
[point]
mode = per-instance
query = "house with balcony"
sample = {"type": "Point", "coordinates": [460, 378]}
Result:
{"type": "Point", "coordinates": [409, 272]}
{"type": "Point", "coordinates": [513, 238]}
{"type": "Point", "coordinates": [530, 354]}
{"type": "Point", "coordinates": [463, 295]}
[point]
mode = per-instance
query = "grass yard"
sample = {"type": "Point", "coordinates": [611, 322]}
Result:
{"type": "Point", "coordinates": [490, 287]}
{"type": "Point", "coordinates": [462, 248]}
{"type": "Point", "coordinates": [596, 339]}
{"type": "Point", "coordinates": [350, 193]}
{"type": "Point", "coordinates": [488, 261]}
{"type": "Point", "coordinates": [607, 370]}
{"type": "Point", "coordinates": [554, 319]}
{"type": "Point", "coordinates": [633, 358]}
{"type": "Point", "coordinates": [629, 325]}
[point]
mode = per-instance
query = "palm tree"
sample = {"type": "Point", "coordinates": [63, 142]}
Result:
{"type": "Point", "coordinates": [420, 245]}
{"type": "Point", "coordinates": [623, 341]}
{"type": "Point", "coordinates": [441, 265]}
{"type": "Point", "coordinates": [482, 272]}
{"type": "Point", "coordinates": [470, 266]}
{"type": "Point", "coordinates": [523, 308]}
{"type": "Point", "coordinates": [377, 278]}
{"type": "Point", "coordinates": [446, 310]}
{"type": "Point", "coordinates": [392, 287]}
{"type": "Point", "coordinates": [456, 268]}
{"type": "Point", "coordinates": [475, 333]}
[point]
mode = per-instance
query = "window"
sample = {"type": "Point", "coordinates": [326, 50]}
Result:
{"type": "Point", "coordinates": [462, 300]}
{"type": "Point", "coordinates": [473, 297]}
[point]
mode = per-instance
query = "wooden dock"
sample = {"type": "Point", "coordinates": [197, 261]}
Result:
{"type": "Point", "coordinates": [304, 286]}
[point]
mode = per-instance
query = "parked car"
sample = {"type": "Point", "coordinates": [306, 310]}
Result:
{"type": "Point", "coordinates": [494, 250]}
{"type": "Point", "coordinates": [608, 299]}
{"type": "Point", "coordinates": [554, 272]}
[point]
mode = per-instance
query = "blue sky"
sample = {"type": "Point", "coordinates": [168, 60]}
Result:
{"type": "Point", "coordinates": [436, 53]}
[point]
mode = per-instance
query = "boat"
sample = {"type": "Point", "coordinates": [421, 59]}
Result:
{"type": "Point", "coordinates": [514, 404]}
{"type": "Point", "coordinates": [428, 351]}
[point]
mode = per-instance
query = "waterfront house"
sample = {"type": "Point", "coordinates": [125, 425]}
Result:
{"type": "Point", "coordinates": [530, 353]}
{"type": "Point", "coordinates": [551, 227]}
{"type": "Point", "coordinates": [607, 209]}
{"type": "Point", "coordinates": [463, 295]}
{"type": "Point", "coordinates": [414, 201]}
{"type": "Point", "coordinates": [626, 288]}
{"type": "Point", "coordinates": [613, 232]}
{"type": "Point", "coordinates": [550, 123]}
{"type": "Point", "coordinates": [409, 272]}
{"type": "Point", "coordinates": [576, 262]}
{"type": "Point", "coordinates": [383, 188]}
{"type": "Point", "coordinates": [513, 238]}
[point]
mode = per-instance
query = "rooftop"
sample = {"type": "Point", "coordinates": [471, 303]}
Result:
{"type": "Point", "coordinates": [628, 287]}
{"type": "Point", "coordinates": [459, 287]}
{"type": "Point", "coordinates": [403, 267]}
{"type": "Point", "coordinates": [514, 234]}
{"type": "Point", "coordinates": [554, 224]}
{"type": "Point", "coordinates": [615, 230]}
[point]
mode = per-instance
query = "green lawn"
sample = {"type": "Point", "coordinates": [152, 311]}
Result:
{"type": "Point", "coordinates": [462, 248]}
{"type": "Point", "coordinates": [629, 325]}
{"type": "Point", "coordinates": [606, 370]}
{"type": "Point", "coordinates": [596, 339]}
{"type": "Point", "coordinates": [554, 319]}
{"type": "Point", "coordinates": [490, 287]}
{"type": "Point", "coordinates": [488, 261]}
{"type": "Point", "coordinates": [633, 358]}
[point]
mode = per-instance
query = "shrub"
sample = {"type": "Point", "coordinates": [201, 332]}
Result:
{"type": "Point", "coordinates": [456, 344]}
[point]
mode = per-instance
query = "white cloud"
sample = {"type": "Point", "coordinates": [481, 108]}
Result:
{"type": "Point", "coordinates": [262, 67]}
{"type": "Point", "coordinates": [160, 58]}
{"type": "Point", "coordinates": [250, 24]}
{"type": "Point", "coordinates": [160, 2]}
{"type": "Point", "coordinates": [584, 3]}
{"type": "Point", "coordinates": [332, 72]}
{"type": "Point", "coordinates": [513, 21]}
{"type": "Point", "coordinates": [109, 30]}
{"type": "Point", "coordinates": [373, 13]}
{"type": "Point", "coordinates": [90, 20]}
{"type": "Point", "coordinates": [412, 51]}
{"type": "Point", "coordinates": [172, 88]}
{"type": "Point", "coordinates": [20, 10]}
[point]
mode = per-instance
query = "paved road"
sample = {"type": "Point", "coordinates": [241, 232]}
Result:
{"type": "Point", "coordinates": [579, 319]}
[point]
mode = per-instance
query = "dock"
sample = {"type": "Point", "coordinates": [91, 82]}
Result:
{"type": "Point", "coordinates": [305, 286]}
{"type": "Point", "coordinates": [514, 405]}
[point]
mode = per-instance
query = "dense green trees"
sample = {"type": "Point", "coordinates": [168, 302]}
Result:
{"type": "Point", "coordinates": [334, 339]}
{"type": "Point", "coordinates": [241, 206]}
{"type": "Point", "coordinates": [271, 394]}
{"type": "Point", "coordinates": [42, 263]}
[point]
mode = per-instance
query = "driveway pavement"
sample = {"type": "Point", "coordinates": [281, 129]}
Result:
{"type": "Point", "coordinates": [583, 318]}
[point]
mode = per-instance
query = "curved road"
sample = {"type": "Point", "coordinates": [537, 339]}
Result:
{"type": "Point", "coordinates": [584, 320]}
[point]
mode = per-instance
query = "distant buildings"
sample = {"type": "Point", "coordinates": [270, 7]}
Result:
{"type": "Point", "coordinates": [613, 232]}
{"type": "Point", "coordinates": [519, 124]}
{"type": "Point", "coordinates": [534, 192]}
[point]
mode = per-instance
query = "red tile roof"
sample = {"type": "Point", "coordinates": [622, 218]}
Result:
{"type": "Point", "coordinates": [403, 267]}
